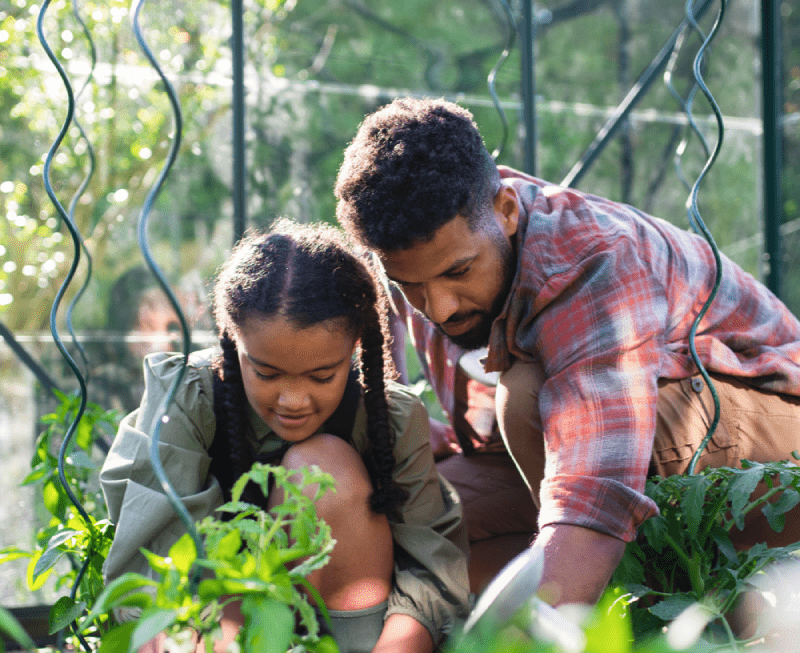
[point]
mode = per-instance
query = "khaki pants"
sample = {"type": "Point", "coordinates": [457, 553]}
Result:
{"type": "Point", "coordinates": [754, 425]}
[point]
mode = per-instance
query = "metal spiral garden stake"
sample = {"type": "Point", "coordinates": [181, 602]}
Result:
{"type": "Point", "coordinates": [512, 34]}
{"type": "Point", "coordinates": [173, 497]}
{"type": "Point", "coordinates": [697, 222]}
{"type": "Point", "coordinates": [77, 243]}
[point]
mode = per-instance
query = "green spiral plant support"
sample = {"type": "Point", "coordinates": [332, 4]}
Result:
{"type": "Point", "coordinates": [697, 222]}
{"type": "Point", "coordinates": [67, 219]}
{"type": "Point", "coordinates": [173, 497]}
{"type": "Point", "coordinates": [512, 34]}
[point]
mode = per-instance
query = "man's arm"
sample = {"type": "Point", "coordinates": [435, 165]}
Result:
{"type": "Point", "coordinates": [578, 563]}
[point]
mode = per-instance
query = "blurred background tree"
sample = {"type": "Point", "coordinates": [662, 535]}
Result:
{"type": "Point", "coordinates": [313, 69]}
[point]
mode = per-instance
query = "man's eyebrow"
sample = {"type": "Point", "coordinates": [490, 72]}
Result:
{"type": "Point", "coordinates": [321, 368]}
{"type": "Point", "coordinates": [455, 266]}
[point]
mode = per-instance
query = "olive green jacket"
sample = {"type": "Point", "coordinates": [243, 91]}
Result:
{"type": "Point", "coordinates": [430, 571]}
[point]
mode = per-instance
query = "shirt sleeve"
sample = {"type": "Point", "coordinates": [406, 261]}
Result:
{"type": "Point", "coordinates": [598, 331]}
{"type": "Point", "coordinates": [431, 583]}
{"type": "Point", "coordinates": [137, 505]}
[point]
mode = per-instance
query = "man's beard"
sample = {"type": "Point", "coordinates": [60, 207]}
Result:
{"type": "Point", "coordinates": [478, 336]}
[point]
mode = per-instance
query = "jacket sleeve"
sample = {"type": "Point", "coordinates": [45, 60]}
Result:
{"type": "Point", "coordinates": [137, 504]}
{"type": "Point", "coordinates": [431, 583]}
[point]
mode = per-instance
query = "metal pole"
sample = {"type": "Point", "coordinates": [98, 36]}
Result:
{"type": "Point", "coordinates": [772, 105]}
{"type": "Point", "coordinates": [528, 86]}
{"type": "Point", "coordinates": [631, 99]}
{"type": "Point", "coordinates": [239, 179]}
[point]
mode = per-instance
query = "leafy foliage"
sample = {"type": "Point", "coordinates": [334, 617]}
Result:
{"type": "Point", "coordinates": [257, 557]}
{"type": "Point", "coordinates": [81, 540]}
{"type": "Point", "coordinates": [685, 556]}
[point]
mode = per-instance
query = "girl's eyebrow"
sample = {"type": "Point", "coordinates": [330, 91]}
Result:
{"type": "Point", "coordinates": [321, 368]}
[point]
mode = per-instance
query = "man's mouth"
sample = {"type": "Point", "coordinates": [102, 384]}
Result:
{"type": "Point", "coordinates": [461, 325]}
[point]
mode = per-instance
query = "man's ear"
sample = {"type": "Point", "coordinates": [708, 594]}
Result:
{"type": "Point", "coordinates": [506, 209]}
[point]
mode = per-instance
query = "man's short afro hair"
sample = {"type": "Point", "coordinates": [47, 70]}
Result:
{"type": "Point", "coordinates": [412, 167]}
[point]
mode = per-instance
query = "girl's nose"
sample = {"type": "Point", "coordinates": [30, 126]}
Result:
{"type": "Point", "coordinates": [293, 399]}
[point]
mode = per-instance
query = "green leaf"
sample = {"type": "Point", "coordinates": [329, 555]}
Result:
{"type": "Point", "coordinates": [36, 581]}
{"type": "Point", "coordinates": [37, 473]}
{"type": "Point", "coordinates": [723, 541]}
{"type": "Point", "coordinates": [117, 640]}
{"type": "Point", "coordinates": [13, 553]}
{"type": "Point", "coordinates": [740, 490]}
{"type": "Point", "coordinates": [183, 553]}
{"type": "Point", "coordinates": [117, 591]}
{"type": "Point", "coordinates": [11, 627]}
{"type": "Point", "coordinates": [83, 434]}
{"type": "Point", "coordinates": [268, 625]}
{"type": "Point", "coordinates": [693, 501]}
{"type": "Point", "coordinates": [325, 644]}
{"type": "Point", "coordinates": [789, 499]}
{"type": "Point", "coordinates": [63, 613]}
{"type": "Point", "coordinates": [609, 630]}
{"type": "Point", "coordinates": [60, 537]}
{"type": "Point", "coordinates": [776, 521]}
{"type": "Point", "coordinates": [46, 561]}
{"type": "Point", "coordinates": [672, 606]}
{"type": "Point", "coordinates": [53, 496]}
{"type": "Point", "coordinates": [157, 562]}
{"type": "Point", "coordinates": [228, 546]}
{"type": "Point", "coordinates": [153, 621]}
{"type": "Point", "coordinates": [80, 460]}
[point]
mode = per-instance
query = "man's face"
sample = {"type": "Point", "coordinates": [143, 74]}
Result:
{"type": "Point", "coordinates": [460, 279]}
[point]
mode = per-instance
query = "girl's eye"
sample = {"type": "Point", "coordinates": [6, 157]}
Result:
{"type": "Point", "coordinates": [326, 379]}
{"type": "Point", "coordinates": [266, 377]}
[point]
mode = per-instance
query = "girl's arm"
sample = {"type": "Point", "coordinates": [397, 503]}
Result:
{"type": "Point", "coordinates": [136, 502]}
{"type": "Point", "coordinates": [404, 633]}
{"type": "Point", "coordinates": [431, 586]}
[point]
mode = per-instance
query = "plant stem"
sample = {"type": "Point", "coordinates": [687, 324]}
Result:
{"type": "Point", "coordinates": [709, 522]}
{"type": "Point", "coordinates": [762, 499]}
{"type": "Point", "coordinates": [685, 562]}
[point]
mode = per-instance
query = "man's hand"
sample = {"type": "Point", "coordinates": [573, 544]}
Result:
{"type": "Point", "coordinates": [578, 563]}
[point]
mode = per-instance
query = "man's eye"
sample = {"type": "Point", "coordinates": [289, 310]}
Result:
{"type": "Point", "coordinates": [458, 273]}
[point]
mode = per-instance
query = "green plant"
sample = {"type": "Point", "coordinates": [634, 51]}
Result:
{"type": "Point", "coordinates": [260, 558]}
{"type": "Point", "coordinates": [684, 556]}
{"type": "Point", "coordinates": [11, 627]}
{"type": "Point", "coordinates": [604, 628]}
{"type": "Point", "coordinates": [81, 535]}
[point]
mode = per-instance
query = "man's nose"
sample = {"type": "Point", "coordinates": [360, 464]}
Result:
{"type": "Point", "coordinates": [440, 304]}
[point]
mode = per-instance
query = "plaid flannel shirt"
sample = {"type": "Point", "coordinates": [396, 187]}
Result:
{"type": "Point", "coordinates": [604, 299]}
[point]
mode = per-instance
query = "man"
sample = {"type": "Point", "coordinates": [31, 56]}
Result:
{"type": "Point", "coordinates": [586, 306]}
{"type": "Point", "coordinates": [498, 508]}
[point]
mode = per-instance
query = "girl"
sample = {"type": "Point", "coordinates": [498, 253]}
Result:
{"type": "Point", "coordinates": [292, 308]}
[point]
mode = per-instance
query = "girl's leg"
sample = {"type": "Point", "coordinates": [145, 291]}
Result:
{"type": "Point", "coordinates": [359, 572]}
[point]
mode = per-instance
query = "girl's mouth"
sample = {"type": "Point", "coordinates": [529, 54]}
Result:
{"type": "Point", "coordinates": [292, 421]}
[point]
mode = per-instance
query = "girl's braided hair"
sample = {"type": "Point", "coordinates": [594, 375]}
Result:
{"type": "Point", "coordinates": [307, 275]}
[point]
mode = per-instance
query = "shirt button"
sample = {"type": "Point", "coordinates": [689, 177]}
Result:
{"type": "Point", "coordinates": [697, 384]}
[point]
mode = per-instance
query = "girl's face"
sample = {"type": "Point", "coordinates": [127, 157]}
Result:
{"type": "Point", "coordinates": [294, 378]}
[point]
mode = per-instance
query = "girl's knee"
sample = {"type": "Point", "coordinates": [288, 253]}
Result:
{"type": "Point", "coordinates": [335, 457]}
